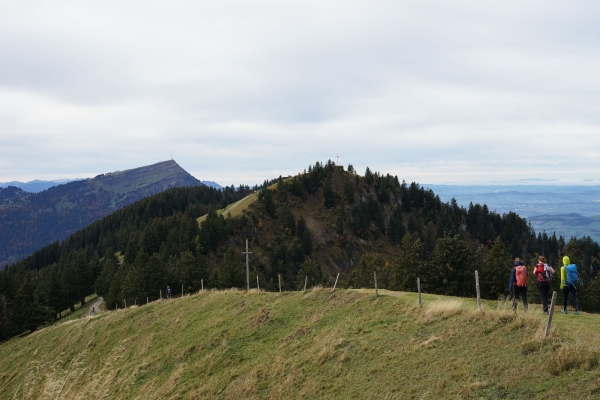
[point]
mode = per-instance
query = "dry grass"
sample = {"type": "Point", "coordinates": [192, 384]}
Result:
{"type": "Point", "coordinates": [444, 308]}
{"type": "Point", "coordinates": [314, 344]}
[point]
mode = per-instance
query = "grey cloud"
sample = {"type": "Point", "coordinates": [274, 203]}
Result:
{"type": "Point", "coordinates": [243, 90]}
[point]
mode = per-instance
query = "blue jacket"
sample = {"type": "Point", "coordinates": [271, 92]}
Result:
{"type": "Point", "coordinates": [513, 276]}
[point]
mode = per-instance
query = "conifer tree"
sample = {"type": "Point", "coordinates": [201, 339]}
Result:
{"type": "Point", "coordinates": [361, 276]}
{"type": "Point", "coordinates": [495, 271]}
{"type": "Point", "coordinates": [310, 270]}
{"type": "Point", "coordinates": [349, 191]}
{"type": "Point", "coordinates": [452, 268]}
{"type": "Point", "coordinates": [408, 264]}
{"type": "Point", "coordinates": [328, 194]}
{"type": "Point", "coordinates": [231, 274]}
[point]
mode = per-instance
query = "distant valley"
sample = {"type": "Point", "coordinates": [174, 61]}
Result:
{"type": "Point", "coordinates": [566, 210]}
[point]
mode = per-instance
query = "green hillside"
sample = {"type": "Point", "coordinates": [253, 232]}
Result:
{"type": "Point", "coordinates": [316, 344]}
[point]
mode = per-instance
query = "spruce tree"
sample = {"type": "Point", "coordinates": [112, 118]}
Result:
{"type": "Point", "coordinates": [452, 268]}
{"type": "Point", "coordinates": [408, 264]}
{"type": "Point", "coordinates": [361, 276]}
{"type": "Point", "coordinates": [494, 273]}
{"type": "Point", "coordinates": [231, 273]}
{"type": "Point", "coordinates": [328, 194]}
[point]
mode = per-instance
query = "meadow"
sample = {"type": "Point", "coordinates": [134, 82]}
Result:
{"type": "Point", "coordinates": [314, 344]}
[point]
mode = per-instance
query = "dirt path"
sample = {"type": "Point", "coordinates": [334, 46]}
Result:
{"type": "Point", "coordinates": [96, 307]}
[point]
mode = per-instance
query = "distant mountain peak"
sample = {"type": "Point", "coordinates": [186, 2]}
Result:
{"type": "Point", "coordinates": [29, 221]}
{"type": "Point", "coordinates": [212, 184]}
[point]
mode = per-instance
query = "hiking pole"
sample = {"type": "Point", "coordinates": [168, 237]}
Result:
{"type": "Point", "coordinates": [550, 314]}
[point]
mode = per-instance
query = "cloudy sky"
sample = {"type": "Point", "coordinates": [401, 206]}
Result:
{"type": "Point", "coordinates": [240, 91]}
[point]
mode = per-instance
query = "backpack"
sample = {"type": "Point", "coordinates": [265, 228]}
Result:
{"type": "Point", "coordinates": [547, 273]}
{"type": "Point", "coordinates": [521, 275]}
{"type": "Point", "coordinates": [571, 274]}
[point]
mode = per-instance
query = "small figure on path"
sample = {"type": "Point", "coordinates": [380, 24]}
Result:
{"type": "Point", "coordinates": [544, 274]}
{"type": "Point", "coordinates": [517, 283]}
{"type": "Point", "coordinates": [93, 310]}
{"type": "Point", "coordinates": [168, 292]}
{"type": "Point", "coordinates": [569, 279]}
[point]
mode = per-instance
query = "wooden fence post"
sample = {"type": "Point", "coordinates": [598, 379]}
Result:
{"type": "Point", "coordinates": [305, 282]}
{"type": "Point", "coordinates": [279, 282]}
{"type": "Point", "coordinates": [125, 301]}
{"type": "Point", "coordinates": [477, 287]}
{"type": "Point", "coordinates": [419, 290]}
{"type": "Point", "coordinates": [550, 314]}
{"type": "Point", "coordinates": [202, 282]}
{"type": "Point", "coordinates": [257, 284]}
{"type": "Point", "coordinates": [146, 301]}
{"type": "Point", "coordinates": [161, 294]}
{"type": "Point", "coordinates": [375, 277]}
{"type": "Point", "coordinates": [181, 290]}
{"type": "Point", "coordinates": [336, 280]}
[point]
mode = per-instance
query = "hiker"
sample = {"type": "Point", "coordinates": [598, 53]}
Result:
{"type": "Point", "coordinates": [544, 273]}
{"type": "Point", "coordinates": [517, 283]}
{"type": "Point", "coordinates": [569, 279]}
{"type": "Point", "coordinates": [168, 292]}
{"type": "Point", "coordinates": [93, 310]}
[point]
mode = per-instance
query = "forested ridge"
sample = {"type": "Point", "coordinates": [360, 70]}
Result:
{"type": "Point", "coordinates": [309, 227]}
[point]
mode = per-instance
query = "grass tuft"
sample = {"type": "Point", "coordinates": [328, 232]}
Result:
{"type": "Point", "coordinates": [572, 357]}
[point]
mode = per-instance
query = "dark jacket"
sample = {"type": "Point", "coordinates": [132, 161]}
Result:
{"type": "Point", "coordinates": [513, 276]}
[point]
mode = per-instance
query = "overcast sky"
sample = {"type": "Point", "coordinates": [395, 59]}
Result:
{"type": "Point", "coordinates": [239, 91]}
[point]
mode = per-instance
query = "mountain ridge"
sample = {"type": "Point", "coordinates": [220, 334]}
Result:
{"type": "Point", "coordinates": [29, 221]}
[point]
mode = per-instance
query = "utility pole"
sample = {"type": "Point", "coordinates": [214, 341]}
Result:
{"type": "Point", "coordinates": [247, 267]}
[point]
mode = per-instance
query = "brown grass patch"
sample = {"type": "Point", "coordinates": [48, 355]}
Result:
{"type": "Point", "coordinates": [261, 318]}
{"type": "Point", "coordinates": [571, 357]}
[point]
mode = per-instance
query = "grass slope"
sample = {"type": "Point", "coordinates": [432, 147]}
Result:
{"type": "Point", "coordinates": [234, 209]}
{"type": "Point", "coordinates": [317, 344]}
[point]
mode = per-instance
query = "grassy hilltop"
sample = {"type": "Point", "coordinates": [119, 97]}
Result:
{"type": "Point", "coordinates": [317, 344]}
